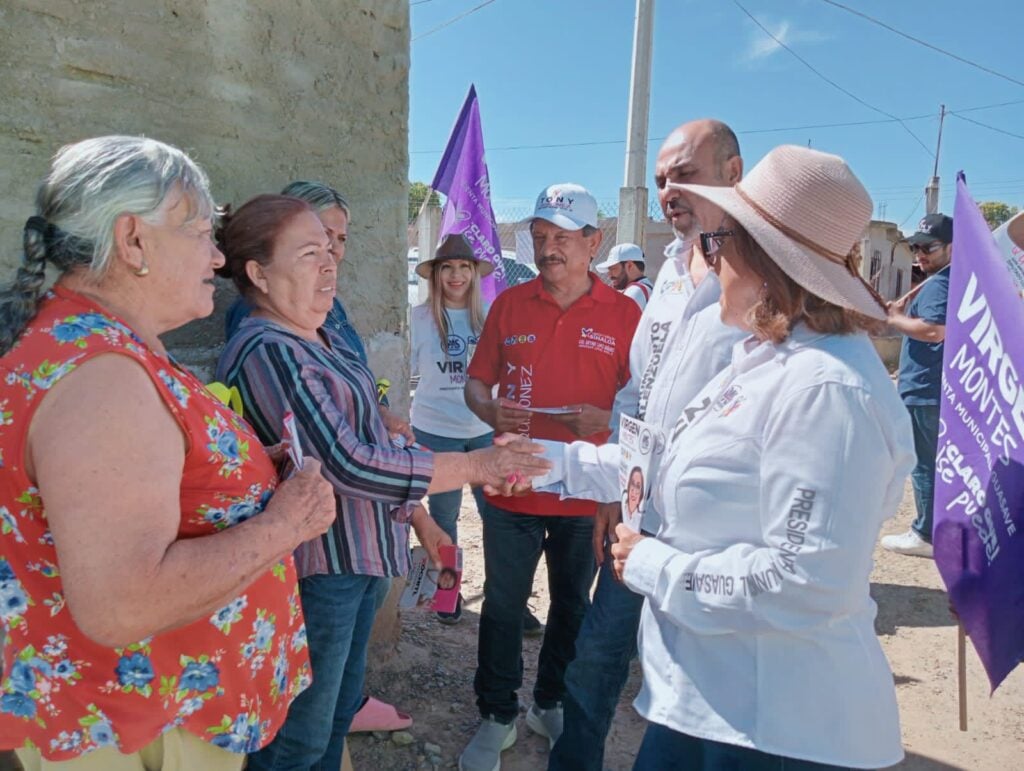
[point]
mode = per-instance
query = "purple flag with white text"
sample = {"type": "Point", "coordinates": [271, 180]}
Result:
{"type": "Point", "coordinates": [462, 177]}
{"type": "Point", "coordinates": [979, 469]}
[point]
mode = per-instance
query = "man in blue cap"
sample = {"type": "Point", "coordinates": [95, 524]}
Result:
{"type": "Point", "coordinates": [920, 316]}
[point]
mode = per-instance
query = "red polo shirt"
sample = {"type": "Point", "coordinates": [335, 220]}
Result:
{"type": "Point", "coordinates": [542, 356]}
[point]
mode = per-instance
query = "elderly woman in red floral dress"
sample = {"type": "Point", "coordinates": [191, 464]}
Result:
{"type": "Point", "coordinates": [147, 592]}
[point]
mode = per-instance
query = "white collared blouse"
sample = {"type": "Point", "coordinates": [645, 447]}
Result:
{"type": "Point", "coordinates": [758, 628]}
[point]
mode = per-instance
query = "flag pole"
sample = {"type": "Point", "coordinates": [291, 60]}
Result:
{"type": "Point", "coordinates": [961, 673]}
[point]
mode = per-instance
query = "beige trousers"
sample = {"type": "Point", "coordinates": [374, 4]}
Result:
{"type": "Point", "coordinates": [176, 750]}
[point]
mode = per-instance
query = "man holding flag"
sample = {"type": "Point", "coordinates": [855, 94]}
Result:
{"type": "Point", "coordinates": [920, 315]}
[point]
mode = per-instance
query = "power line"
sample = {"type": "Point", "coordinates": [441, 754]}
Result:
{"type": "Point", "coordinates": [452, 20]}
{"type": "Point", "coordinates": [990, 106]}
{"type": "Point", "coordinates": [925, 43]}
{"type": "Point", "coordinates": [831, 82]}
{"type": "Point", "coordinates": [985, 125]}
{"type": "Point", "coordinates": [835, 125]}
{"type": "Point", "coordinates": [912, 212]}
{"type": "Point", "coordinates": [775, 129]}
{"type": "Point", "coordinates": [659, 139]}
{"type": "Point", "coordinates": [903, 192]}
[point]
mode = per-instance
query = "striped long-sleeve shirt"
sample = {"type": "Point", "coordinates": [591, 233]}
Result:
{"type": "Point", "coordinates": [333, 397]}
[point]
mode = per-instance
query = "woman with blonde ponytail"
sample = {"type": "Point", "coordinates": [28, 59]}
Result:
{"type": "Point", "coordinates": [147, 590]}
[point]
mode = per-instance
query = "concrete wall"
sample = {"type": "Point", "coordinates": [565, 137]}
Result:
{"type": "Point", "coordinates": [259, 92]}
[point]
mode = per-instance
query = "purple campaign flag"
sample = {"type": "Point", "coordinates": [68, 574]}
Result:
{"type": "Point", "coordinates": [979, 468]}
{"type": "Point", "coordinates": [462, 177]}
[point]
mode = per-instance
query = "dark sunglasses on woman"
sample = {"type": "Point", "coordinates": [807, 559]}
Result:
{"type": "Point", "coordinates": [710, 243]}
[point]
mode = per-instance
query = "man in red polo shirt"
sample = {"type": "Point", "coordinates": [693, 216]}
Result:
{"type": "Point", "coordinates": [561, 340]}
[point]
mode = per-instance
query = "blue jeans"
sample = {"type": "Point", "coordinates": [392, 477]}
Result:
{"type": "Point", "coordinates": [512, 547]}
{"type": "Point", "coordinates": [666, 750]}
{"type": "Point", "coordinates": [925, 420]}
{"type": "Point", "coordinates": [595, 678]}
{"type": "Point", "coordinates": [444, 507]}
{"type": "Point", "coordinates": [339, 611]}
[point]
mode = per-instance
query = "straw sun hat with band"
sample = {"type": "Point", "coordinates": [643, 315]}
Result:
{"type": "Point", "coordinates": [808, 211]}
{"type": "Point", "coordinates": [454, 246]}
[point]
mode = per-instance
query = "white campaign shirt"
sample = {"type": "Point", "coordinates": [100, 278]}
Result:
{"type": "Point", "coordinates": [758, 629]}
{"type": "Point", "coordinates": [438, 405]}
{"type": "Point", "coordinates": [679, 346]}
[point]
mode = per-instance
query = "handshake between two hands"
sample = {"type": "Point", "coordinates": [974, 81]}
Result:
{"type": "Point", "coordinates": [509, 467]}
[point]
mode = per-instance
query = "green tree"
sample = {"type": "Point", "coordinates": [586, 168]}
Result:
{"type": "Point", "coordinates": [417, 194]}
{"type": "Point", "coordinates": [996, 212]}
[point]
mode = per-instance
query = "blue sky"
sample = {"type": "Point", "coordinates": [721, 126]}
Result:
{"type": "Point", "coordinates": [558, 73]}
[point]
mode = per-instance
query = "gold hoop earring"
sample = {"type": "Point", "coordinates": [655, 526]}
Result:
{"type": "Point", "coordinates": [142, 271]}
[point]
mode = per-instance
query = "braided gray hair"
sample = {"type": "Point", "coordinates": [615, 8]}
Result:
{"type": "Point", "coordinates": [91, 183]}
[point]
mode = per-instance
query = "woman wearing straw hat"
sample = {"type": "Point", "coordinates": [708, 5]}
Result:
{"type": "Point", "coordinates": [444, 334]}
{"type": "Point", "coordinates": [757, 640]}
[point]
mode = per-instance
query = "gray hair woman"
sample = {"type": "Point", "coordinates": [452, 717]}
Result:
{"type": "Point", "coordinates": [147, 590]}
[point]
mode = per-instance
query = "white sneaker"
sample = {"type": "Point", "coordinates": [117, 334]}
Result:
{"type": "Point", "coordinates": [909, 543]}
{"type": "Point", "coordinates": [546, 722]}
{"type": "Point", "coordinates": [483, 753]}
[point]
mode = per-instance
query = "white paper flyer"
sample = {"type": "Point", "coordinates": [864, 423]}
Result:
{"type": "Point", "coordinates": [641, 445]}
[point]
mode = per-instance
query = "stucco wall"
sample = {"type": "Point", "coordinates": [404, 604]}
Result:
{"type": "Point", "coordinates": [259, 92]}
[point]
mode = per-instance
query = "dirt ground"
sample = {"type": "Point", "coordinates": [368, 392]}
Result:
{"type": "Point", "coordinates": [432, 679]}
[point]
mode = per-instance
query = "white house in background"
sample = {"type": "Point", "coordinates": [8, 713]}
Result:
{"type": "Point", "coordinates": [886, 261]}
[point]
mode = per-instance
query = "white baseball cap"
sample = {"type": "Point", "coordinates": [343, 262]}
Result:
{"type": "Point", "coordinates": [568, 205]}
{"type": "Point", "coordinates": [621, 253]}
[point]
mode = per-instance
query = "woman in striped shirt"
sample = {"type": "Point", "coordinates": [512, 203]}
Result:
{"type": "Point", "coordinates": [283, 359]}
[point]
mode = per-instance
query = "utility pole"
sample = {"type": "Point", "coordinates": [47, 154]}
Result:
{"type": "Point", "coordinates": [633, 194]}
{"type": "Point", "coordinates": [931, 193]}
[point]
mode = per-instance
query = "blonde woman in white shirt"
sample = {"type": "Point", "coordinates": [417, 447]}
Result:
{"type": "Point", "coordinates": [757, 639]}
{"type": "Point", "coordinates": [444, 335]}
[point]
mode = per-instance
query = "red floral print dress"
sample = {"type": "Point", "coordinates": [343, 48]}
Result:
{"type": "Point", "coordinates": [227, 678]}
